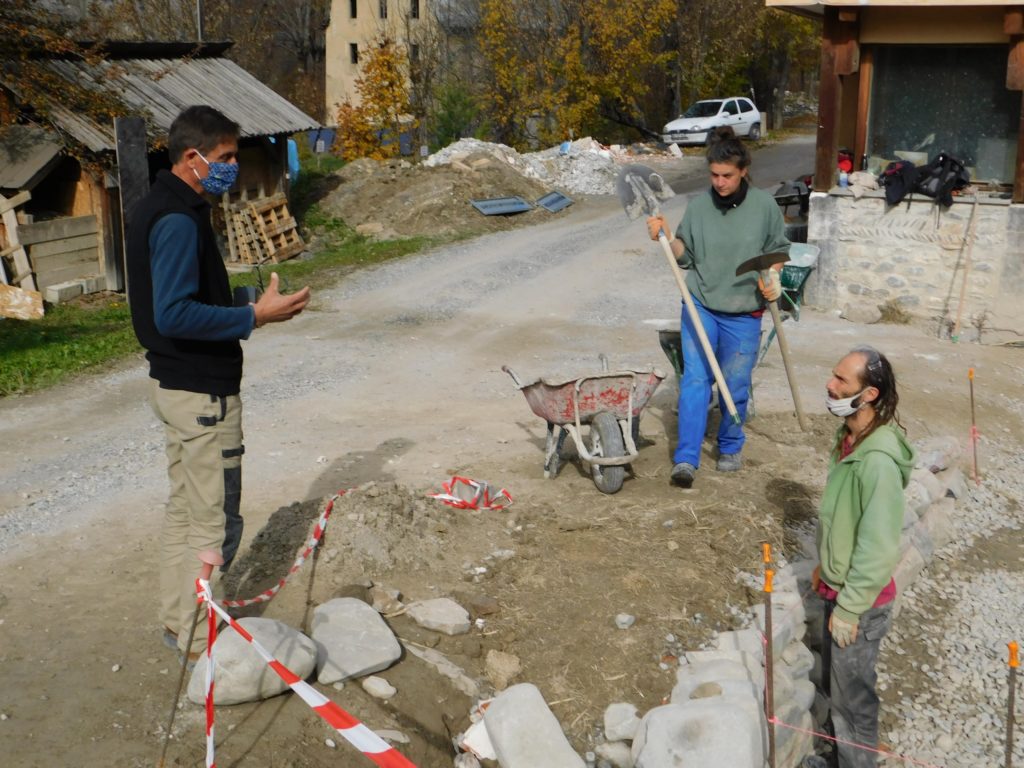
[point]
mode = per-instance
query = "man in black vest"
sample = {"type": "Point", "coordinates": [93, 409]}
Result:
{"type": "Point", "coordinates": [183, 315]}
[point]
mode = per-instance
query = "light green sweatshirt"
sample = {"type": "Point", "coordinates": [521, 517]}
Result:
{"type": "Point", "coordinates": [715, 243]}
{"type": "Point", "coordinates": [861, 518]}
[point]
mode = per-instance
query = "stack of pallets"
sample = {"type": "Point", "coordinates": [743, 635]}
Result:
{"type": "Point", "coordinates": [263, 230]}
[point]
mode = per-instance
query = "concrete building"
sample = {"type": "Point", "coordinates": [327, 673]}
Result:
{"type": "Point", "coordinates": [354, 26]}
{"type": "Point", "coordinates": [912, 79]}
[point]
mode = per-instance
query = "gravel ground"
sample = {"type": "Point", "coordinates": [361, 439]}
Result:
{"type": "Point", "coordinates": [943, 673]}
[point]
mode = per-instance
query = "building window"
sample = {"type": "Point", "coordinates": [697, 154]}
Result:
{"type": "Point", "coordinates": [353, 9]}
{"type": "Point", "coordinates": [383, 9]}
{"type": "Point", "coordinates": [930, 99]}
{"type": "Point", "coordinates": [353, 53]}
{"type": "Point", "coordinates": [414, 9]}
{"type": "Point", "coordinates": [414, 53]}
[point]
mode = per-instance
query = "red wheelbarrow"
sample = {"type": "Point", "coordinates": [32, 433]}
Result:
{"type": "Point", "coordinates": [609, 402]}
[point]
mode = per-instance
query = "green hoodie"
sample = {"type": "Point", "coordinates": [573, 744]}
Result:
{"type": "Point", "coordinates": [861, 518]}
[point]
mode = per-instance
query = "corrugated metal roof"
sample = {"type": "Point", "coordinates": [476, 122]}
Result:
{"type": "Point", "coordinates": [163, 87]}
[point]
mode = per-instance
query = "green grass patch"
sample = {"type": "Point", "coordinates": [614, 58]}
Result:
{"type": "Point", "coordinates": [68, 340]}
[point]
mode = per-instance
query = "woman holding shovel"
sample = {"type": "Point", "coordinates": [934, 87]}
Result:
{"type": "Point", "coordinates": [721, 230]}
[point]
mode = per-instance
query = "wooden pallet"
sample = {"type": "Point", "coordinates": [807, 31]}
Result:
{"type": "Point", "coordinates": [263, 230]}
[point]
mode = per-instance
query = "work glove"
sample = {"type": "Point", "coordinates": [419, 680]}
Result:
{"type": "Point", "coordinates": [656, 224]}
{"type": "Point", "coordinates": [843, 632]}
{"type": "Point", "coordinates": [773, 289]}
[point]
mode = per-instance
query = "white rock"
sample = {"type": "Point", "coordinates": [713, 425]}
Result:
{"type": "Point", "coordinates": [525, 733]}
{"type": "Point", "coordinates": [241, 674]}
{"type": "Point", "coordinates": [620, 722]}
{"type": "Point", "coordinates": [717, 731]}
{"type": "Point", "coordinates": [441, 614]}
{"type": "Point", "coordinates": [624, 620]}
{"type": "Point", "coordinates": [378, 687]}
{"type": "Point", "coordinates": [617, 753]}
{"type": "Point", "coordinates": [732, 676]}
{"type": "Point", "coordinates": [352, 640]}
{"type": "Point", "coordinates": [394, 737]}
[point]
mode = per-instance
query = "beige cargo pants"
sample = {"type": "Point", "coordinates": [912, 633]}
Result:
{"type": "Point", "coordinates": [204, 466]}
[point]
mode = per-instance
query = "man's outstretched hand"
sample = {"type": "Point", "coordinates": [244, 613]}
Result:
{"type": "Point", "coordinates": [276, 307]}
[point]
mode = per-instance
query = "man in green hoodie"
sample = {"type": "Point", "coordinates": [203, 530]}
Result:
{"type": "Point", "coordinates": [859, 542]}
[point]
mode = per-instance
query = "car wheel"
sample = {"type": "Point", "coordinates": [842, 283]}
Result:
{"type": "Point", "coordinates": [755, 132]}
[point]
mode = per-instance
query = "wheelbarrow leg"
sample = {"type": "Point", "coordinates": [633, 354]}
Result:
{"type": "Point", "coordinates": [552, 449]}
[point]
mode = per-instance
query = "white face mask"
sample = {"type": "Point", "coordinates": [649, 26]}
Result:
{"type": "Point", "coordinates": [844, 406]}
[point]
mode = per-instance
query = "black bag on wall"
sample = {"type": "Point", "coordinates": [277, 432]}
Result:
{"type": "Point", "coordinates": [941, 177]}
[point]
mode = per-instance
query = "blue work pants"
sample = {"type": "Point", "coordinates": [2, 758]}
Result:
{"type": "Point", "coordinates": [734, 340]}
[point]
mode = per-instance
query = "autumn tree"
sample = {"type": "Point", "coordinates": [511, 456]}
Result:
{"type": "Point", "coordinates": [31, 89]}
{"type": "Point", "coordinates": [372, 126]}
{"type": "Point", "coordinates": [786, 44]}
{"type": "Point", "coordinates": [562, 68]}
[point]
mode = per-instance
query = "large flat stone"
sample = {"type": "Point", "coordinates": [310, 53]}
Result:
{"type": "Point", "coordinates": [441, 614]}
{"type": "Point", "coordinates": [525, 733]}
{"type": "Point", "coordinates": [732, 676]}
{"type": "Point", "coordinates": [716, 731]}
{"type": "Point", "coordinates": [352, 640]}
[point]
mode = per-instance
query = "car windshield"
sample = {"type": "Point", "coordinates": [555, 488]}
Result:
{"type": "Point", "coordinates": [703, 109]}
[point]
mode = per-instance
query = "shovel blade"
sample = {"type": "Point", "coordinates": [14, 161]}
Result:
{"type": "Point", "coordinates": [639, 189]}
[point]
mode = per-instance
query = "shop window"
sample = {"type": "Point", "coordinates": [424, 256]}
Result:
{"type": "Point", "coordinates": [930, 99]}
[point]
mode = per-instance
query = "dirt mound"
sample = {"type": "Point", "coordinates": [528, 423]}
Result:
{"type": "Point", "coordinates": [397, 198]}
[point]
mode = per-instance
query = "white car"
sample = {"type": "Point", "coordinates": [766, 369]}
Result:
{"type": "Point", "coordinates": [695, 124]}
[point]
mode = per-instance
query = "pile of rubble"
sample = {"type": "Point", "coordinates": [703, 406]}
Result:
{"type": "Point", "coordinates": [397, 198]}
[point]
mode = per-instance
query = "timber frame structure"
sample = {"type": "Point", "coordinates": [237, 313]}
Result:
{"type": "Point", "coordinates": [850, 27]}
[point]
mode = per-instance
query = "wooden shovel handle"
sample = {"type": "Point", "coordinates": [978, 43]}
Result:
{"type": "Point", "coordinates": [723, 388]}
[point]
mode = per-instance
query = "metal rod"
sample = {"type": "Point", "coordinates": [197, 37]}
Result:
{"type": "Point", "coordinates": [1011, 703]}
{"type": "Point", "coordinates": [974, 428]}
{"type": "Point", "coordinates": [769, 660]}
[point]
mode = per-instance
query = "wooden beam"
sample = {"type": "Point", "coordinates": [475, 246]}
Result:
{"type": "Point", "coordinates": [1018, 175]}
{"type": "Point", "coordinates": [22, 266]}
{"type": "Point", "coordinates": [1013, 21]}
{"type": "Point", "coordinates": [860, 141]}
{"type": "Point", "coordinates": [133, 184]}
{"type": "Point", "coordinates": [828, 105]}
{"type": "Point", "coordinates": [1015, 64]}
{"type": "Point", "coordinates": [9, 203]}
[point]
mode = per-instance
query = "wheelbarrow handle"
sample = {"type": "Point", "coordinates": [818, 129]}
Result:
{"type": "Point", "coordinates": [512, 373]}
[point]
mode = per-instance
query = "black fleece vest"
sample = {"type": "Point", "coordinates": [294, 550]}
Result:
{"type": "Point", "coordinates": [210, 367]}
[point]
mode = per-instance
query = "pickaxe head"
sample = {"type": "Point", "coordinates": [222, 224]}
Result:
{"type": "Point", "coordinates": [640, 189]}
{"type": "Point", "coordinates": [761, 263]}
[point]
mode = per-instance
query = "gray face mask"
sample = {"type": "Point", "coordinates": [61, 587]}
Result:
{"type": "Point", "coordinates": [844, 406]}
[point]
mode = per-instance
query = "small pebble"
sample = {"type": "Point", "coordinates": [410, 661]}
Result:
{"type": "Point", "coordinates": [116, 668]}
{"type": "Point", "coordinates": [331, 743]}
{"type": "Point", "coordinates": [624, 621]}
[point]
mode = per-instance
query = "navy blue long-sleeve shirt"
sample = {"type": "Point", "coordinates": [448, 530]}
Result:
{"type": "Point", "coordinates": [173, 243]}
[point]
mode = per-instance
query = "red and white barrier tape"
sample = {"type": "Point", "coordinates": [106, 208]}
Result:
{"type": "Point", "coordinates": [353, 731]}
{"type": "Point", "coordinates": [464, 493]}
{"type": "Point", "coordinates": [318, 532]}
{"type": "Point", "coordinates": [203, 592]}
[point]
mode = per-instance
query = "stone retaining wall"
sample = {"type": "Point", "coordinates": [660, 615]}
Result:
{"type": "Point", "coordinates": [912, 253]}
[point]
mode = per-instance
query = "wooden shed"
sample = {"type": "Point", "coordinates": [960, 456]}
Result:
{"type": "Point", "coordinates": [61, 172]}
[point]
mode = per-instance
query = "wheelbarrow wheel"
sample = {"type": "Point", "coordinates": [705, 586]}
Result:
{"type": "Point", "coordinates": [606, 442]}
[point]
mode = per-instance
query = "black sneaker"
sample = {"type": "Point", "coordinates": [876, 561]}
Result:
{"type": "Point", "coordinates": [682, 474]}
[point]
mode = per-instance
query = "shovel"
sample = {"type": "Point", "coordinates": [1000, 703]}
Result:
{"type": "Point", "coordinates": [639, 190]}
{"type": "Point", "coordinates": [762, 265]}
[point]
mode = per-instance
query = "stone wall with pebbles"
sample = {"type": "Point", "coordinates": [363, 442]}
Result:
{"type": "Point", "coordinates": [715, 714]}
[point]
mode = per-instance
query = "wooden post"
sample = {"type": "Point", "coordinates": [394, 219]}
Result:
{"type": "Point", "coordinates": [860, 141]}
{"type": "Point", "coordinates": [133, 184]}
{"type": "Point", "coordinates": [828, 105]}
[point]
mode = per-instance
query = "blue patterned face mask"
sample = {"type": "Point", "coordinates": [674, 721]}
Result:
{"type": "Point", "coordinates": [221, 177]}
